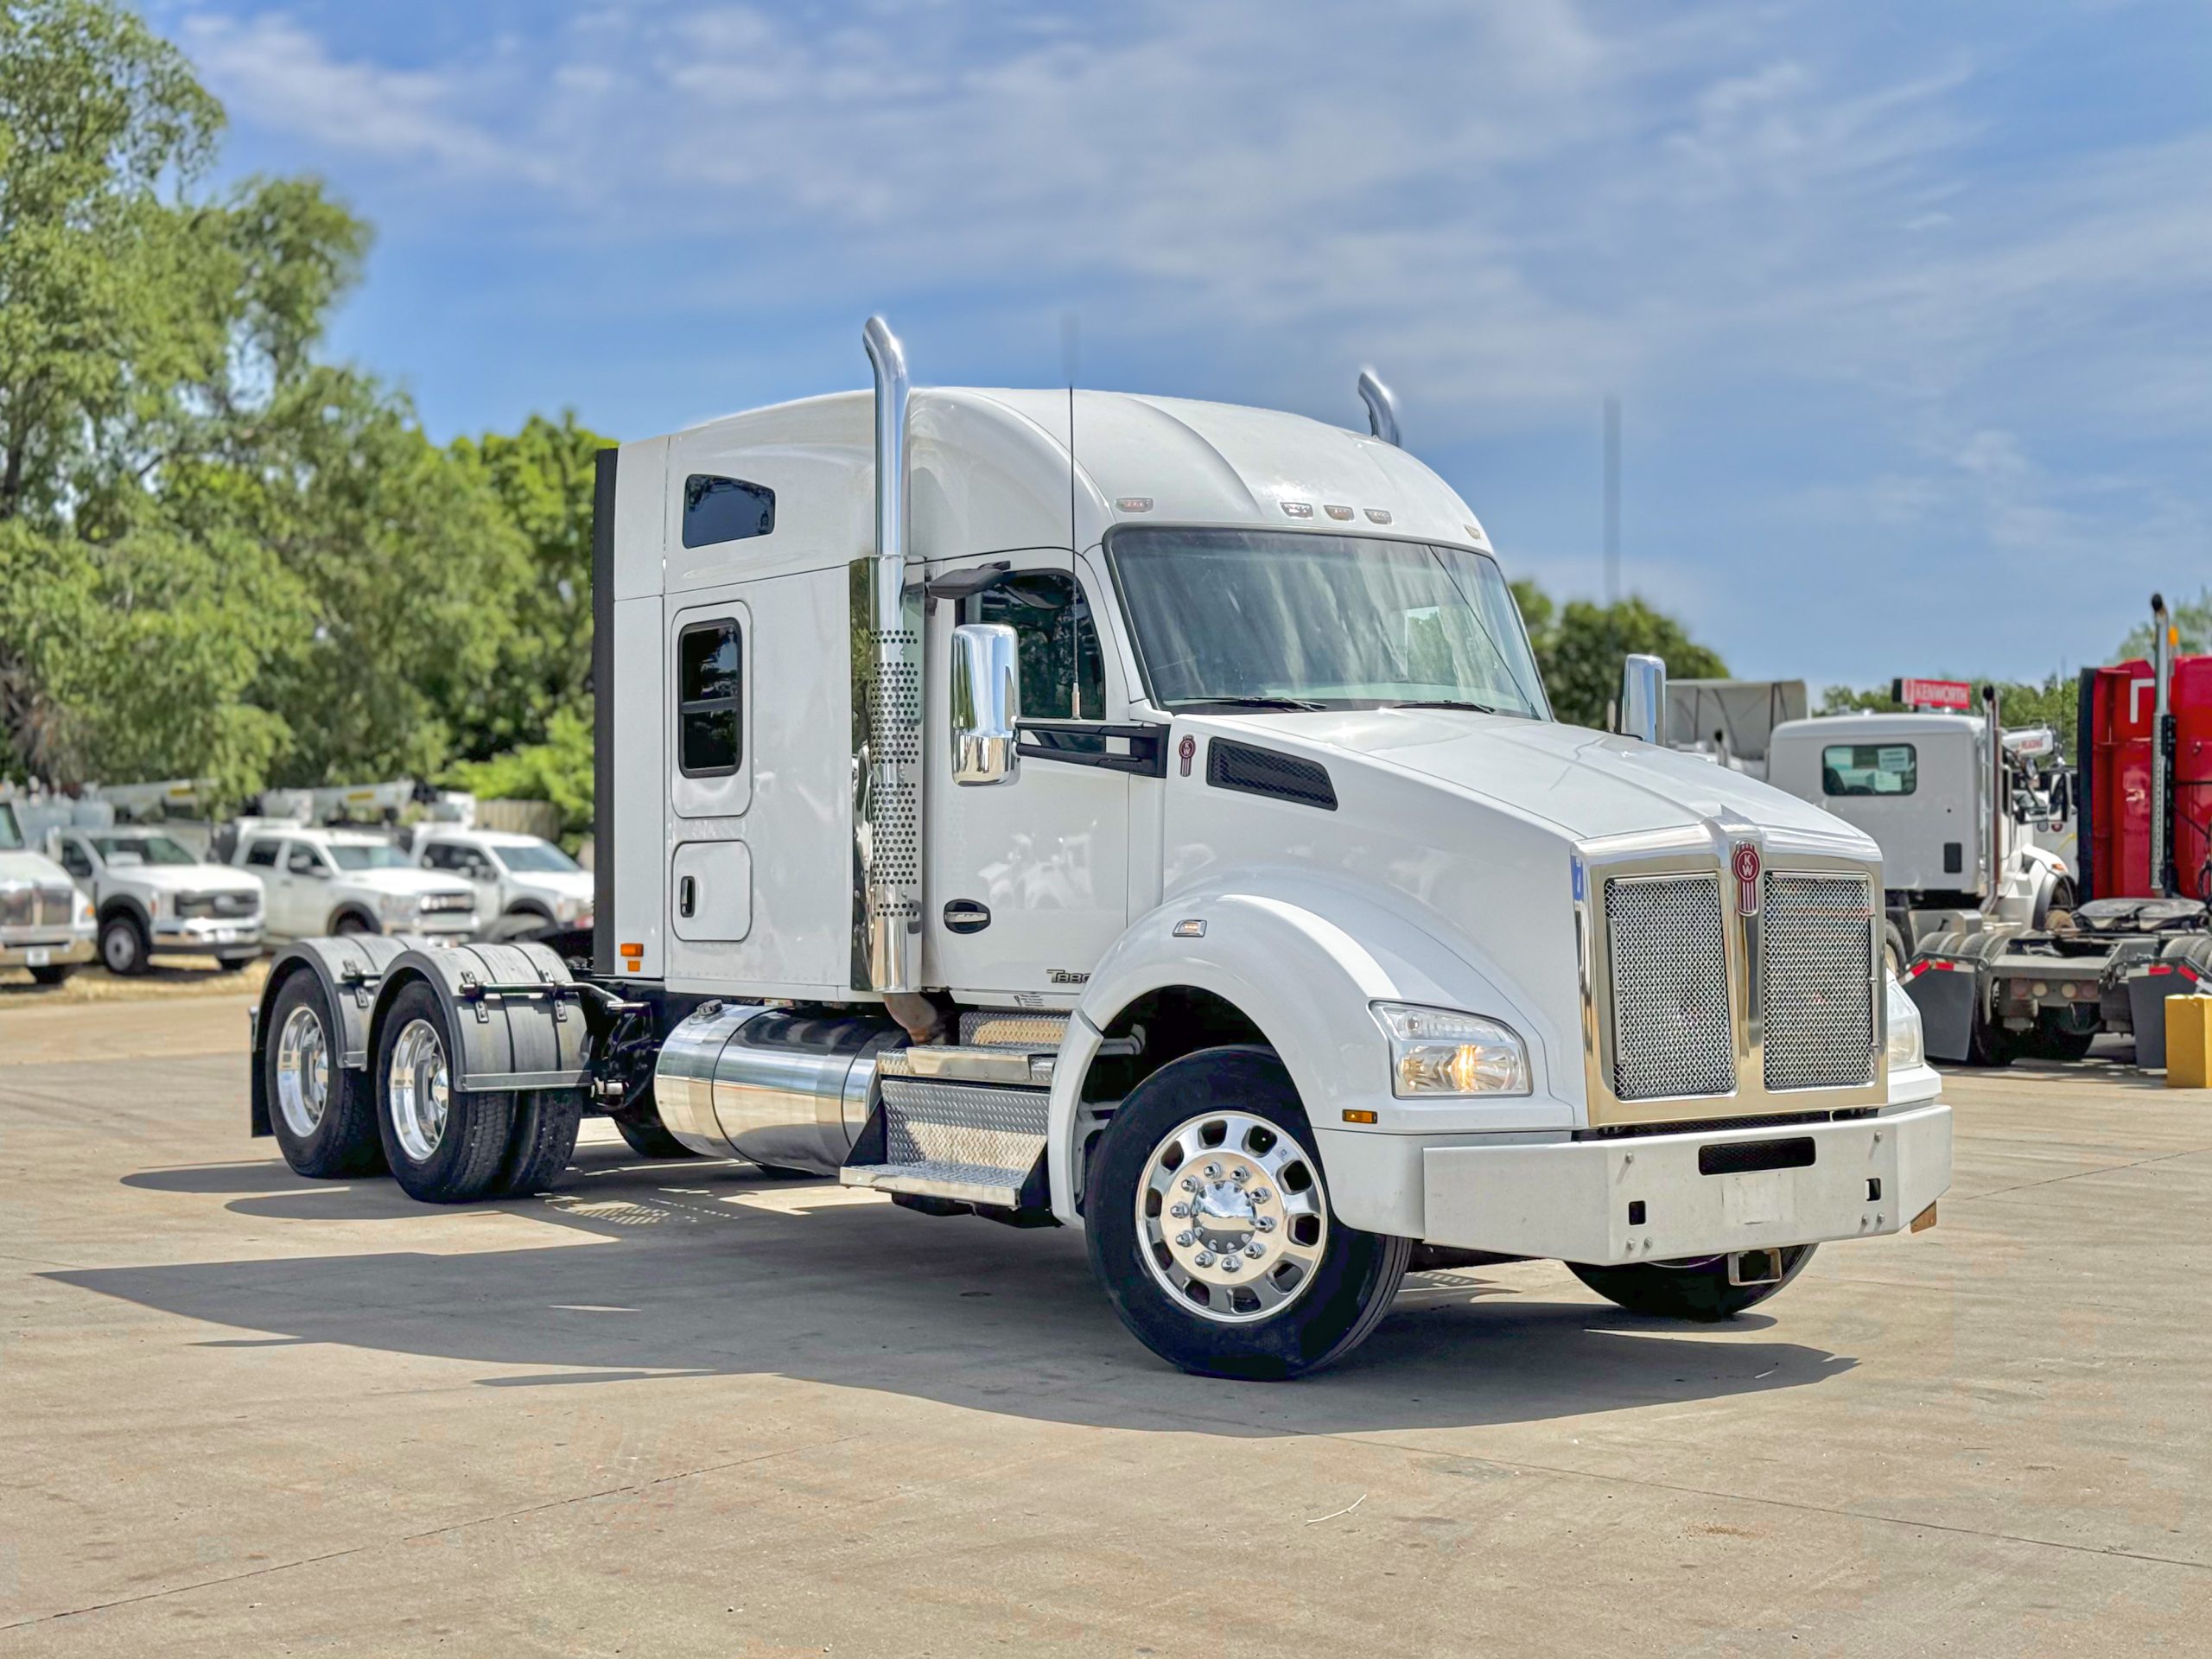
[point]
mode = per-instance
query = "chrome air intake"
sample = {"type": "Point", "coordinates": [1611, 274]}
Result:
{"type": "Point", "coordinates": [771, 1084]}
{"type": "Point", "coordinates": [886, 657]}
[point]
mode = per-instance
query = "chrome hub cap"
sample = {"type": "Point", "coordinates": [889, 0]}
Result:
{"type": "Point", "coordinates": [302, 1071]}
{"type": "Point", "coordinates": [416, 1087]}
{"type": "Point", "coordinates": [1231, 1218]}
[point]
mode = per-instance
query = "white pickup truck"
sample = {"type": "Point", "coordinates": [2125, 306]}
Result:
{"type": "Point", "coordinates": [520, 881]}
{"type": "Point", "coordinates": [339, 882]}
{"type": "Point", "coordinates": [153, 896]}
{"type": "Point", "coordinates": [1141, 815]}
{"type": "Point", "coordinates": [46, 924]}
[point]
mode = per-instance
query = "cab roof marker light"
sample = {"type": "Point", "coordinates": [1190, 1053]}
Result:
{"type": "Point", "coordinates": [1298, 509]}
{"type": "Point", "coordinates": [1378, 515]}
{"type": "Point", "coordinates": [1340, 514]}
{"type": "Point", "coordinates": [1132, 504]}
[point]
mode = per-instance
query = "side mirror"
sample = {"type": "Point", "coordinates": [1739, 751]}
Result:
{"type": "Point", "coordinates": [1642, 710]}
{"type": "Point", "coordinates": [986, 703]}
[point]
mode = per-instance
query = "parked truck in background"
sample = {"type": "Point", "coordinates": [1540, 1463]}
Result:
{"type": "Point", "coordinates": [1101, 809]}
{"type": "Point", "coordinates": [522, 884]}
{"type": "Point", "coordinates": [46, 924]}
{"type": "Point", "coordinates": [342, 881]}
{"type": "Point", "coordinates": [153, 896]}
{"type": "Point", "coordinates": [2133, 930]}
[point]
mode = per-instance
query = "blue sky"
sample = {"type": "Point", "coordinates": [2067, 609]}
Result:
{"type": "Point", "coordinates": [1908, 307]}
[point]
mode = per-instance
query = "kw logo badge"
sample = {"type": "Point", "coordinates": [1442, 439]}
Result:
{"type": "Point", "coordinates": [1744, 864]}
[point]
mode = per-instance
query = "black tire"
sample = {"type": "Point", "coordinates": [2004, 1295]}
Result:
{"type": "Point", "coordinates": [342, 1141]}
{"type": "Point", "coordinates": [1697, 1291]}
{"type": "Point", "coordinates": [55, 973]}
{"type": "Point", "coordinates": [1345, 1296]}
{"type": "Point", "coordinates": [1895, 952]}
{"type": "Point", "coordinates": [1989, 1043]}
{"type": "Point", "coordinates": [232, 964]}
{"type": "Point", "coordinates": [542, 1142]}
{"type": "Point", "coordinates": [126, 951]}
{"type": "Point", "coordinates": [2054, 1039]}
{"type": "Point", "coordinates": [647, 1138]}
{"type": "Point", "coordinates": [471, 1145]}
{"type": "Point", "coordinates": [351, 922]}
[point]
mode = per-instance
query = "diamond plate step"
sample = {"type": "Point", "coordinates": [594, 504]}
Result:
{"type": "Point", "coordinates": [1026, 1029]}
{"type": "Point", "coordinates": [968, 1142]}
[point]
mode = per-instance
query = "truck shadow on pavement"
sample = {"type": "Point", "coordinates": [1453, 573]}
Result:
{"type": "Point", "coordinates": [698, 1269]}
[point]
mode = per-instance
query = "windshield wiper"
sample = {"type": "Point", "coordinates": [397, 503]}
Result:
{"type": "Point", "coordinates": [1448, 702]}
{"type": "Point", "coordinates": [1246, 703]}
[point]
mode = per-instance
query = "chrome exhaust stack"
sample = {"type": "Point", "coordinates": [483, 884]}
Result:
{"type": "Point", "coordinates": [1381, 408]}
{"type": "Point", "coordinates": [886, 620]}
{"type": "Point", "coordinates": [2162, 674]}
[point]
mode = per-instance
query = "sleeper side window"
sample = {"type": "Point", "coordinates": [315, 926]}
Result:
{"type": "Point", "coordinates": [725, 510]}
{"type": "Point", "coordinates": [709, 692]}
{"type": "Point", "coordinates": [1062, 675]}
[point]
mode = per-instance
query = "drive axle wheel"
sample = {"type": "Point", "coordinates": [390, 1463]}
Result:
{"type": "Point", "coordinates": [321, 1114]}
{"type": "Point", "coordinates": [445, 1145]}
{"type": "Point", "coordinates": [1687, 1290]}
{"type": "Point", "coordinates": [1208, 1222]}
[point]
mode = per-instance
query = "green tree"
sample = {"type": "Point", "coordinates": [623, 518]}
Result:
{"type": "Point", "coordinates": [2192, 620]}
{"type": "Point", "coordinates": [558, 770]}
{"type": "Point", "coordinates": [1581, 646]}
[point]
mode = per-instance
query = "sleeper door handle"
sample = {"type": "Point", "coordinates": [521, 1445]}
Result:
{"type": "Point", "coordinates": [687, 896]}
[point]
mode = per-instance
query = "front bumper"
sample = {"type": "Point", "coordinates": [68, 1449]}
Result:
{"type": "Point", "coordinates": [437, 924]}
{"type": "Point", "coordinates": [1660, 1197]}
{"type": "Point", "coordinates": [68, 950]}
{"type": "Point", "coordinates": [210, 935]}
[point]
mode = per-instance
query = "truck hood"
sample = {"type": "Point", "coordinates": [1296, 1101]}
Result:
{"type": "Point", "coordinates": [403, 882]}
{"type": "Point", "coordinates": [36, 869]}
{"type": "Point", "coordinates": [555, 884]}
{"type": "Point", "coordinates": [184, 878]}
{"type": "Point", "coordinates": [1591, 785]}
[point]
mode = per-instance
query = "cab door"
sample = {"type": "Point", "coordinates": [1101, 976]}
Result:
{"type": "Point", "coordinates": [1028, 880]}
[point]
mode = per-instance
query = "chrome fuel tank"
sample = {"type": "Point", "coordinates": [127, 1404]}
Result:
{"type": "Point", "coordinates": [773, 1085]}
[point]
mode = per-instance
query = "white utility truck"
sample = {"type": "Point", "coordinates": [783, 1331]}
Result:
{"type": "Point", "coordinates": [1956, 833]}
{"type": "Point", "coordinates": [1075, 808]}
{"type": "Point", "coordinates": [348, 881]}
{"type": "Point", "coordinates": [155, 896]}
{"type": "Point", "coordinates": [46, 924]}
{"type": "Point", "coordinates": [521, 882]}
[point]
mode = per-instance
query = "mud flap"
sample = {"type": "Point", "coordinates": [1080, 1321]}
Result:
{"type": "Point", "coordinates": [1945, 1000]}
{"type": "Point", "coordinates": [350, 969]}
{"type": "Point", "coordinates": [2146, 1006]}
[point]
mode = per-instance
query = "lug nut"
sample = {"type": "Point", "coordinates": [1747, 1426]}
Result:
{"type": "Point", "coordinates": [1213, 1172]}
{"type": "Point", "coordinates": [1240, 1175]}
{"type": "Point", "coordinates": [1205, 1258]}
{"type": "Point", "coordinates": [1179, 1210]}
{"type": "Point", "coordinates": [1265, 1223]}
{"type": "Point", "coordinates": [1259, 1195]}
{"type": "Point", "coordinates": [1230, 1264]}
{"type": "Point", "coordinates": [1186, 1238]}
{"type": "Point", "coordinates": [1189, 1185]}
{"type": "Point", "coordinates": [1255, 1249]}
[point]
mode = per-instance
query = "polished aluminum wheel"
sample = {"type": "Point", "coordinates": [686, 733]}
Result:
{"type": "Point", "coordinates": [416, 1087]}
{"type": "Point", "coordinates": [1232, 1217]}
{"type": "Point", "coordinates": [302, 1071]}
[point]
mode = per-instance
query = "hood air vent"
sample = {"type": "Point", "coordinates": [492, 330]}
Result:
{"type": "Point", "coordinates": [1252, 771]}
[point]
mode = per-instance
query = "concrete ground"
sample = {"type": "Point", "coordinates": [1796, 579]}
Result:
{"type": "Point", "coordinates": [680, 1408]}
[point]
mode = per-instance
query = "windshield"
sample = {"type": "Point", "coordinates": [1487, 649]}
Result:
{"type": "Point", "coordinates": [532, 860]}
{"type": "Point", "coordinates": [11, 836]}
{"type": "Point", "coordinates": [1255, 618]}
{"type": "Point", "coordinates": [143, 850]}
{"type": "Point", "coordinates": [351, 855]}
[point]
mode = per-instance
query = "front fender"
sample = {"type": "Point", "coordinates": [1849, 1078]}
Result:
{"type": "Point", "coordinates": [1303, 959]}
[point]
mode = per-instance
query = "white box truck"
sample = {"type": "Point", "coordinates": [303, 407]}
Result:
{"type": "Point", "coordinates": [1145, 815]}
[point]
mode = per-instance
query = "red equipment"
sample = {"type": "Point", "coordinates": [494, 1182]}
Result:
{"type": "Point", "coordinates": [2115, 747]}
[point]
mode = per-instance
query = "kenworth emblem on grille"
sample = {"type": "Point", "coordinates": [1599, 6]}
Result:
{"type": "Point", "coordinates": [1744, 862]}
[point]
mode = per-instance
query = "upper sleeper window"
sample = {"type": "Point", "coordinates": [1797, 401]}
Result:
{"type": "Point", "coordinates": [709, 687]}
{"type": "Point", "coordinates": [725, 510]}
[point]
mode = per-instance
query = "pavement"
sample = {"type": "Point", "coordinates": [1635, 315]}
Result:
{"type": "Point", "coordinates": [679, 1407]}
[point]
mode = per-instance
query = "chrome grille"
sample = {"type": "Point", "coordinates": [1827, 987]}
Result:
{"type": "Point", "coordinates": [447, 904]}
{"type": "Point", "coordinates": [1672, 1031]}
{"type": "Point", "coordinates": [37, 906]}
{"type": "Point", "coordinates": [1816, 997]}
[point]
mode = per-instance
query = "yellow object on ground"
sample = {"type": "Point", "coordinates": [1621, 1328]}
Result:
{"type": "Point", "coordinates": [2189, 1042]}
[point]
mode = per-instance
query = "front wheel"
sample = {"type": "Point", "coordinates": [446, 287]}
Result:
{"type": "Point", "coordinates": [1687, 1290]}
{"type": "Point", "coordinates": [124, 949]}
{"type": "Point", "coordinates": [1208, 1222]}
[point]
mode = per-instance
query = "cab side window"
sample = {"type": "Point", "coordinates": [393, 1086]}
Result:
{"type": "Point", "coordinates": [304, 862]}
{"type": "Point", "coordinates": [262, 855]}
{"type": "Point", "coordinates": [709, 692]}
{"type": "Point", "coordinates": [1063, 676]}
{"type": "Point", "coordinates": [74, 861]}
{"type": "Point", "coordinates": [442, 855]}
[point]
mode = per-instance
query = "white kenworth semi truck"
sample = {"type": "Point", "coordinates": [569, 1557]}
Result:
{"type": "Point", "coordinates": [1100, 810]}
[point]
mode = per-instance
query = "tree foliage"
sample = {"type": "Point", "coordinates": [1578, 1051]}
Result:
{"type": "Point", "coordinates": [2054, 702]}
{"type": "Point", "coordinates": [1581, 647]}
{"type": "Point", "coordinates": [220, 557]}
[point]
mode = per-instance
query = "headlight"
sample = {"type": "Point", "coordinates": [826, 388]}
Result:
{"type": "Point", "coordinates": [565, 910]}
{"type": "Point", "coordinates": [1436, 1052]}
{"type": "Point", "coordinates": [1906, 1049]}
{"type": "Point", "coordinates": [398, 904]}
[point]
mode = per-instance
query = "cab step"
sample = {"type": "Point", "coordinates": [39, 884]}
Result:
{"type": "Point", "coordinates": [962, 1141]}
